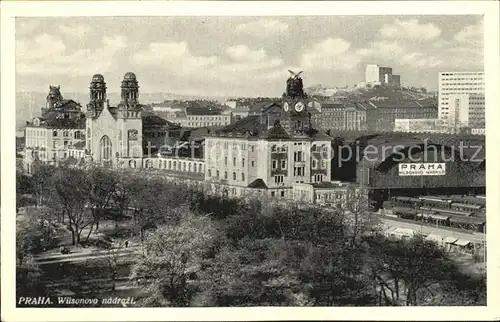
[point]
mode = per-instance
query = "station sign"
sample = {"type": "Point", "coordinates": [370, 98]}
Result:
{"type": "Point", "coordinates": [422, 169]}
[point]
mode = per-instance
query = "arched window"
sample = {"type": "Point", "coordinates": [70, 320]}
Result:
{"type": "Point", "coordinates": [54, 133]}
{"type": "Point", "coordinates": [234, 175]}
{"type": "Point", "coordinates": [189, 167]}
{"type": "Point", "coordinates": [131, 164]}
{"type": "Point", "coordinates": [105, 148]}
{"type": "Point", "coordinates": [149, 164]}
{"type": "Point", "coordinates": [242, 177]}
{"type": "Point", "coordinates": [160, 164]}
{"type": "Point", "coordinates": [217, 174]}
{"type": "Point", "coordinates": [225, 175]}
{"type": "Point", "coordinates": [209, 173]}
{"type": "Point", "coordinates": [65, 133]}
{"type": "Point", "coordinates": [194, 167]}
{"type": "Point", "coordinates": [170, 164]}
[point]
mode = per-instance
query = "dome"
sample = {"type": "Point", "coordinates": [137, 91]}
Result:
{"type": "Point", "coordinates": [98, 78]}
{"type": "Point", "coordinates": [129, 76]}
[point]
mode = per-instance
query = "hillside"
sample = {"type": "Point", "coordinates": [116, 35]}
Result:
{"type": "Point", "coordinates": [364, 94]}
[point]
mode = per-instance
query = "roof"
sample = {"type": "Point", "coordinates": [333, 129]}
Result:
{"type": "Point", "coordinates": [277, 132]}
{"type": "Point", "coordinates": [331, 105]}
{"type": "Point", "coordinates": [150, 119]}
{"type": "Point", "coordinates": [258, 183]}
{"type": "Point", "coordinates": [53, 119]}
{"type": "Point", "coordinates": [202, 111]}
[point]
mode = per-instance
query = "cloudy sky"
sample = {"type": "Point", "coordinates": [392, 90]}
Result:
{"type": "Point", "coordinates": [226, 56]}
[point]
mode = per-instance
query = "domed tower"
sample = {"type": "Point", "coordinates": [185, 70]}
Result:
{"type": "Point", "coordinates": [129, 118]}
{"type": "Point", "coordinates": [98, 88]}
{"type": "Point", "coordinates": [130, 89]}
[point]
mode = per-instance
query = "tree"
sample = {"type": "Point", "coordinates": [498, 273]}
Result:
{"type": "Point", "coordinates": [173, 256]}
{"type": "Point", "coordinates": [103, 186]}
{"type": "Point", "coordinates": [41, 181]}
{"type": "Point", "coordinates": [72, 191]}
{"type": "Point", "coordinates": [258, 272]}
{"type": "Point", "coordinates": [409, 264]}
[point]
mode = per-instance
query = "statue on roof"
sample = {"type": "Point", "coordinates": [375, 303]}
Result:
{"type": "Point", "coordinates": [294, 86]}
{"type": "Point", "coordinates": [54, 96]}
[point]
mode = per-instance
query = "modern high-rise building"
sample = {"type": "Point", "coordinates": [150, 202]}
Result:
{"type": "Point", "coordinates": [378, 75]}
{"type": "Point", "coordinates": [466, 111]}
{"type": "Point", "coordinates": [451, 83]}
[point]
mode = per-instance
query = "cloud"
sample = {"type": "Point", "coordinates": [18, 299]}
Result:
{"type": "Point", "coordinates": [410, 29]}
{"type": "Point", "coordinates": [472, 34]}
{"type": "Point", "coordinates": [47, 54]}
{"type": "Point", "coordinates": [76, 30]}
{"type": "Point", "coordinates": [263, 28]}
{"type": "Point", "coordinates": [174, 56]}
{"type": "Point", "coordinates": [243, 53]}
{"type": "Point", "coordinates": [25, 26]}
{"type": "Point", "coordinates": [420, 60]}
{"type": "Point", "coordinates": [330, 53]}
{"type": "Point", "coordinates": [382, 49]}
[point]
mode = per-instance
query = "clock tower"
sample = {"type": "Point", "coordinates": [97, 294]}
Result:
{"type": "Point", "coordinates": [296, 118]}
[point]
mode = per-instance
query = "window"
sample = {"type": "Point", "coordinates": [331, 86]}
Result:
{"type": "Point", "coordinates": [131, 163]}
{"type": "Point", "coordinates": [65, 144]}
{"type": "Point", "coordinates": [273, 148]}
{"type": "Point", "coordinates": [225, 175]}
{"type": "Point", "coordinates": [234, 162]}
{"type": "Point", "coordinates": [234, 175]}
{"type": "Point", "coordinates": [54, 133]}
{"type": "Point", "coordinates": [298, 171]}
{"type": "Point", "coordinates": [272, 193]}
{"type": "Point", "coordinates": [217, 174]}
{"type": "Point", "coordinates": [253, 163]}
{"type": "Point", "coordinates": [282, 193]}
{"type": "Point", "coordinates": [242, 177]}
{"type": "Point", "coordinates": [278, 179]}
{"type": "Point", "coordinates": [314, 164]}
{"type": "Point", "coordinates": [323, 164]}
{"type": "Point", "coordinates": [65, 133]}
{"type": "Point", "coordinates": [283, 164]}
{"type": "Point", "coordinates": [54, 144]}
{"type": "Point", "coordinates": [175, 165]}
{"type": "Point", "coordinates": [252, 148]}
{"type": "Point", "coordinates": [225, 160]}
{"type": "Point", "coordinates": [243, 162]}
{"type": "Point", "coordinates": [209, 172]}
{"type": "Point", "coordinates": [297, 156]}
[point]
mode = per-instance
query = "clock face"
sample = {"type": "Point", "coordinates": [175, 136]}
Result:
{"type": "Point", "coordinates": [286, 107]}
{"type": "Point", "coordinates": [299, 107]}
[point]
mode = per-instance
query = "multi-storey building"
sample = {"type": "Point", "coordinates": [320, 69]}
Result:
{"type": "Point", "coordinates": [381, 116]}
{"type": "Point", "coordinates": [450, 83]}
{"type": "Point", "coordinates": [466, 111]}
{"type": "Point", "coordinates": [51, 136]}
{"type": "Point", "coordinates": [355, 116]}
{"type": "Point", "coordinates": [420, 125]}
{"type": "Point", "coordinates": [195, 118]}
